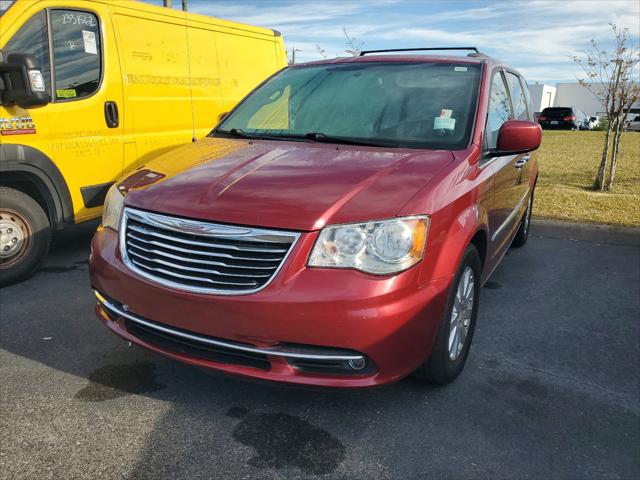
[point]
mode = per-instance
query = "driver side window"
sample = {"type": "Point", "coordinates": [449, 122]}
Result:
{"type": "Point", "coordinates": [499, 109]}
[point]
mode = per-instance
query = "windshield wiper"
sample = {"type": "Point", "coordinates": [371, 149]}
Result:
{"type": "Point", "coordinates": [237, 132]}
{"type": "Point", "coordinates": [323, 137]}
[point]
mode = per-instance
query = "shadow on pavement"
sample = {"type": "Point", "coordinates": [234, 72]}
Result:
{"type": "Point", "coordinates": [548, 389]}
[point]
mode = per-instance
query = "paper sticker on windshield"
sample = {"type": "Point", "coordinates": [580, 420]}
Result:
{"type": "Point", "coordinates": [67, 93]}
{"type": "Point", "coordinates": [89, 39]}
{"type": "Point", "coordinates": [460, 69]}
{"type": "Point", "coordinates": [444, 123]}
{"type": "Point", "coordinates": [446, 113]}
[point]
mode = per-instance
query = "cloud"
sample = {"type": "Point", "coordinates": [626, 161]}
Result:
{"type": "Point", "coordinates": [537, 36]}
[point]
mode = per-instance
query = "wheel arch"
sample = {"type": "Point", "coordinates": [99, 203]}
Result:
{"type": "Point", "coordinates": [468, 226]}
{"type": "Point", "coordinates": [31, 171]}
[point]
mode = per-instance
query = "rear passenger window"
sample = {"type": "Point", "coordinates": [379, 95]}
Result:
{"type": "Point", "coordinates": [77, 54]}
{"type": "Point", "coordinates": [517, 97]}
{"type": "Point", "coordinates": [499, 109]}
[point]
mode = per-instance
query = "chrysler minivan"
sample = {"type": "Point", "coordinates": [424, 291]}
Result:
{"type": "Point", "coordinates": [334, 229]}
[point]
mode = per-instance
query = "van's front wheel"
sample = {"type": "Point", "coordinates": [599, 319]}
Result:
{"type": "Point", "coordinates": [25, 234]}
{"type": "Point", "coordinates": [453, 339]}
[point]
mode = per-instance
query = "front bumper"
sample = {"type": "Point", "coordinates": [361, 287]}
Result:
{"type": "Point", "coordinates": [304, 316]}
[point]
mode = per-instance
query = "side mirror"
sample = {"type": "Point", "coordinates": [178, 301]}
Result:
{"type": "Point", "coordinates": [23, 82]}
{"type": "Point", "coordinates": [517, 136]}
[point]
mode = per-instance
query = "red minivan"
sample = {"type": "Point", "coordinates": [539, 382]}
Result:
{"type": "Point", "coordinates": [334, 229]}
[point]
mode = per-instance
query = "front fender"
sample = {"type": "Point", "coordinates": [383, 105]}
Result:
{"type": "Point", "coordinates": [445, 250]}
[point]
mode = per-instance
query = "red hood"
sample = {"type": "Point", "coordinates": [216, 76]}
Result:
{"type": "Point", "coordinates": [290, 185]}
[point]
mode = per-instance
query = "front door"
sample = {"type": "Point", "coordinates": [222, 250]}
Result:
{"type": "Point", "coordinates": [510, 186]}
{"type": "Point", "coordinates": [85, 116]}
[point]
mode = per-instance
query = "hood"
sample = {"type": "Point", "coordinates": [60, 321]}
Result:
{"type": "Point", "coordinates": [289, 185]}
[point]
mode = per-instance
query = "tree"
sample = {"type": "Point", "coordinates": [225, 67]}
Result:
{"type": "Point", "coordinates": [612, 78]}
{"type": "Point", "coordinates": [355, 46]}
{"type": "Point", "coordinates": [321, 51]}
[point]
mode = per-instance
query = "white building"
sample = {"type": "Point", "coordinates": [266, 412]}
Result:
{"type": "Point", "coordinates": [542, 96]}
{"type": "Point", "coordinates": [569, 95]}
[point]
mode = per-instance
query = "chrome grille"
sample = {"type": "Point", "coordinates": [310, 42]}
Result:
{"type": "Point", "coordinates": [201, 256]}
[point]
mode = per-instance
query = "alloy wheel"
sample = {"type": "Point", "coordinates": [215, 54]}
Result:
{"type": "Point", "coordinates": [461, 313]}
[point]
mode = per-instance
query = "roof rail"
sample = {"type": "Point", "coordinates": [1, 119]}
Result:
{"type": "Point", "coordinates": [367, 52]}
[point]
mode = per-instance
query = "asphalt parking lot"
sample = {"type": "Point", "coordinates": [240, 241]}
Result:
{"type": "Point", "coordinates": [551, 389]}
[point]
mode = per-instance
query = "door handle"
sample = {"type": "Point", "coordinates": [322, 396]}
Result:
{"type": "Point", "coordinates": [111, 114]}
{"type": "Point", "coordinates": [520, 163]}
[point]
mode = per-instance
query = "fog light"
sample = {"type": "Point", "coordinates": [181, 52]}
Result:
{"type": "Point", "coordinates": [357, 364]}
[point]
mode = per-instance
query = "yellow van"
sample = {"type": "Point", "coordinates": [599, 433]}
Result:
{"type": "Point", "coordinates": [91, 89]}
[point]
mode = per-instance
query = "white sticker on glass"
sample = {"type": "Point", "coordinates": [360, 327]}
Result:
{"type": "Point", "coordinates": [89, 39]}
{"type": "Point", "coordinates": [444, 123]}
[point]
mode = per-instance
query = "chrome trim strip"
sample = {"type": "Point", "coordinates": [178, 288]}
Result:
{"type": "Point", "coordinates": [219, 343]}
{"type": "Point", "coordinates": [513, 213]}
{"type": "Point", "coordinates": [235, 248]}
{"type": "Point", "coordinates": [134, 245]}
{"type": "Point", "coordinates": [190, 277]}
{"type": "Point", "coordinates": [246, 234]}
{"type": "Point", "coordinates": [196, 269]}
{"type": "Point", "coordinates": [200, 252]}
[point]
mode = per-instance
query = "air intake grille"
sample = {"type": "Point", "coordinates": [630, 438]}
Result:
{"type": "Point", "coordinates": [201, 256]}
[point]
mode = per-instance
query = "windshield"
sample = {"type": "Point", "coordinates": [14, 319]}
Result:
{"type": "Point", "coordinates": [4, 5]}
{"type": "Point", "coordinates": [414, 105]}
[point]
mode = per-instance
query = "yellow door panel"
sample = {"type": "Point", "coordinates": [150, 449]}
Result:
{"type": "Point", "coordinates": [205, 85]}
{"type": "Point", "coordinates": [243, 65]}
{"type": "Point", "coordinates": [85, 78]}
{"type": "Point", "coordinates": [155, 65]}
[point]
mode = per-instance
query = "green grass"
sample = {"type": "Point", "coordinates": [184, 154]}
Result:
{"type": "Point", "coordinates": [568, 163]}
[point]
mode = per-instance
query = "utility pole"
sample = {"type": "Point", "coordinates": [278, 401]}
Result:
{"type": "Point", "coordinates": [167, 3]}
{"type": "Point", "coordinates": [293, 54]}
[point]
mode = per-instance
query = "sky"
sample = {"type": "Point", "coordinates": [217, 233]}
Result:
{"type": "Point", "coordinates": [538, 37]}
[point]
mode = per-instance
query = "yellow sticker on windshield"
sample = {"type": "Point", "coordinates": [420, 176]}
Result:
{"type": "Point", "coordinates": [68, 93]}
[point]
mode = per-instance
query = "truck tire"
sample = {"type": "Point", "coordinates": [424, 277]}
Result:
{"type": "Point", "coordinates": [25, 234]}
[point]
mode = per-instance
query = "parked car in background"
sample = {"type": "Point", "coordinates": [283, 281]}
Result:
{"type": "Point", "coordinates": [92, 89]}
{"type": "Point", "coordinates": [633, 125]}
{"type": "Point", "coordinates": [334, 229]}
{"type": "Point", "coordinates": [565, 118]}
{"type": "Point", "coordinates": [590, 123]}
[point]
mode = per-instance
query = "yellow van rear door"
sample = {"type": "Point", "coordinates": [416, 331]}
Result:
{"type": "Point", "coordinates": [155, 62]}
{"type": "Point", "coordinates": [245, 60]}
{"type": "Point", "coordinates": [205, 77]}
{"type": "Point", "coordinates": [85, 126]}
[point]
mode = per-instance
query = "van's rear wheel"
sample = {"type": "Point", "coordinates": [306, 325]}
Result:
{"type": "Point", "coordinates": [523, 230]}
{"type": "Point", "coordinates": [25, 234]}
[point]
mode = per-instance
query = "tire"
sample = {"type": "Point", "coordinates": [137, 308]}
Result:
{"type": "Point", "coordinates": [442, 367]}
{"type": "Point", "coordinates": [522, 234]}
{"type": "Point", "coordinates": [25, 234]}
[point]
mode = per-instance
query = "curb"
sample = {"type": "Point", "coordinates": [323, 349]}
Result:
{"type": "Point", "coordinates": [587, 232]}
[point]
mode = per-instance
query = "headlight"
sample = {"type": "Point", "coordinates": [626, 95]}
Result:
{"type": "Point", "coordinates": [113, 204]}
{"type": "Point", "coordinates": [381, 248]}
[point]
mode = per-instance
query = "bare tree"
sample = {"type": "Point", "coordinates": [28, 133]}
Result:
{"type": "Point", "coordinates": [355, 45]}
{"type": "Point", "coordinates": [612, 78]}
{"type": "Point", "coordinates": [321, 51]}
